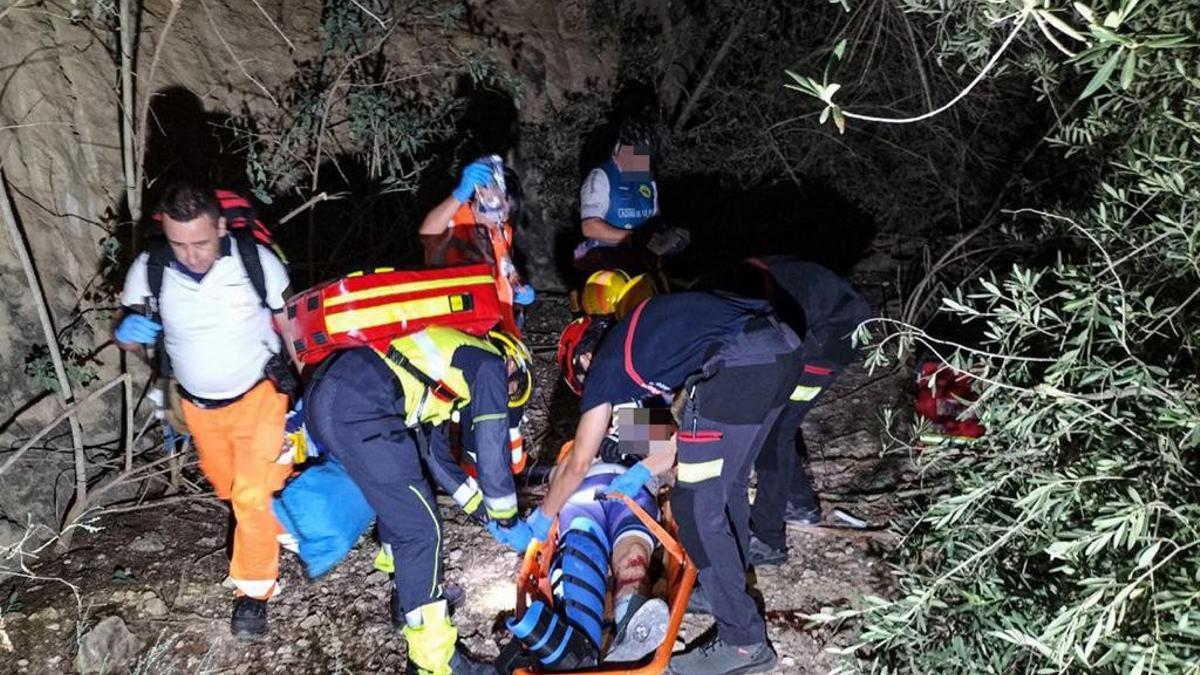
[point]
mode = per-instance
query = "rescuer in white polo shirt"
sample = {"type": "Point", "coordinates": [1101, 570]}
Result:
{"type": "Point", "coordinates": [219, 334]}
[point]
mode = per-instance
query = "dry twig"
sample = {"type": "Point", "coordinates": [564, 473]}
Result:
{"type": "Point", "coordinates": [43, 310]}
{"type": "Point", "coordinates": [148, 86]}
{"type": "Point", "coordinates": [212, 22]}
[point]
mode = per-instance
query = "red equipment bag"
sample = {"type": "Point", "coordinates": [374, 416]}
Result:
{"type": "Point", "coordinates": [374, 308]}
{"type": "Point", "coordinates": [943, 396]}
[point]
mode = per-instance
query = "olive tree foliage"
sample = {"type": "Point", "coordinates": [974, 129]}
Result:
{"type": "Point", "coordinates": [370, 97]}
{"type": "Point", "coordinates": [716, 67]}
{"type": "Point", "coordinates": [1068, 538]}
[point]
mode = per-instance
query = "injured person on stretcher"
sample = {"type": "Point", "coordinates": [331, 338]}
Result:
{"type": "Point", "coordinates": [601, 540]}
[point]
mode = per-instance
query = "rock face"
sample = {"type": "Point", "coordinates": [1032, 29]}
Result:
{"type": "Point", "coordinates": [107, 648]}
{"type": "Point", "coordinates": [61, 151]}
{"type": "Point", "coordinates": [568, 64]}
{"type": "Point", "coordinates": [60, 147]}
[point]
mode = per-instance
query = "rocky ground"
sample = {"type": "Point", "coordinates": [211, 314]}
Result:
{"type": "Point", "coordinates": [143, 593]}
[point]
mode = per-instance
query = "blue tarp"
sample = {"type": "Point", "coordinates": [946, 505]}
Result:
{"type": "Point", "coordinates": [326, 513]}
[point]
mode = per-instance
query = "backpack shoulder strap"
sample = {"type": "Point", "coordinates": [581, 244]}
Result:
{"type": "Point", "coordinates": [157, 259]}
{"type": "Point", "coordinates": [158, 256]}
{"type": "Point", "coordinates": [247, 247]}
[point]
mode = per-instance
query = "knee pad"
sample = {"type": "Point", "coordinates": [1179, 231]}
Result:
{"type": "Point", "coordinates": [556, 644]}
{"type": "Point", "coordinates": [579, 576]}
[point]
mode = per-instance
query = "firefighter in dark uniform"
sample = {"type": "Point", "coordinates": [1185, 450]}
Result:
{"type": "Point", "coordinates": [824, 310]}
{"type": "Point", "coordinates": [374, 410]}
{"type": "Point", "coordinates": [737, 365]}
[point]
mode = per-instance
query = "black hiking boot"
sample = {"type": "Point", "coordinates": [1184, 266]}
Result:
{"type": "Point", "coordinates": [249, 618]}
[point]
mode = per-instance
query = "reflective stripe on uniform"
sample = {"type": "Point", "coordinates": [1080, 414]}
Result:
{"type": "Point", "coordinates": [435, 364]}
{"type": "Point", "coordinates": [804, 393]}
{"type": "Point", "coordinates": [473, 503]}
{"type": "Point", "coordinates": [256, 589]}
{"type": "Point", "coordinates": [695, 472]}
{"type": "Point", "coordinates": [487, 418]}
{"type": "Point", "coordinates": [501, 507]}
{"type": "Point", "coordinates": [463, 494]}
{"type": "Point", "coordinates": [437, 551]}
{"type": "Point", "coordinates": [516, 446]}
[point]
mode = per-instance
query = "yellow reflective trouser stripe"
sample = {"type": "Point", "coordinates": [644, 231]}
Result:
{"type": "Point", "coordinates": [803, 393]}
{"type": "Point", "coordinates": [699, 471]}
{"type": "Point", "coordinates": [396, 312]}
{"type": "Point", "coordinates": [437, 552]}
{"type": "Point", "coordinates": [411, 287]}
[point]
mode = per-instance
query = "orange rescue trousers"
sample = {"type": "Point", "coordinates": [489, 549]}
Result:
{"type": "Point", "coordinates": [238, 446]}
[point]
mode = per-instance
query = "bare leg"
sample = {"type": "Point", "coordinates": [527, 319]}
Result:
{"type": "Point", "coordinates": [631, 564]}
{"type": "Point", "coordinates": [641, 620]}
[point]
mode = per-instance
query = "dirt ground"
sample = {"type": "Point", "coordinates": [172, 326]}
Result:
{"type": "Point", "coordinates": [160, 569]}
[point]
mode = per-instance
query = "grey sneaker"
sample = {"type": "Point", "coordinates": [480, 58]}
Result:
{"type": "Point", "coordinates": [717, 658]}
{"type": "Point", "coordinates": [642, 632]}
{"type": "Point", "coordinates": [762, 554]}
{"type": "Point", "coordinates": [802, 516]}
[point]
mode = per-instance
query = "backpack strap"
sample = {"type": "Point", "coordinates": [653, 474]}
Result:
{"type": "Point", "coordinates": [158, 256]}
{"type": "Point", "coordinates": [247, 247]}
{"type": "Point", "coordinates": [436, 388]}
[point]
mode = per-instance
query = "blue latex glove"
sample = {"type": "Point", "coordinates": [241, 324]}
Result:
{"type": "Point", "coordinates": [477, 174]}
{"type": "Point", "coordinates": [516, 537]}
{"type": "Point", "coordinates": [137, 329]}
{"type": "Point", "coordinates": [523, 295]}
{"type": "Point", "coordinates": [630, 482]}
{"type": "Point", "coordinates": [539, 524]}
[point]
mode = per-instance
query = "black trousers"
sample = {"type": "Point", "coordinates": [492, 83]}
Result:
{"type": "Point", "coordinates": [732, 408]}
{"type": "Point", "coordinates": [781, 476]}
{"type": "Point", "coordinates": [354, 410]}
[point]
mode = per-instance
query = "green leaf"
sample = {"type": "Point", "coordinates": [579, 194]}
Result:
{"type": "Point", "coordinates": [839, 49]}
{"type": "Point", "coordinates": [824, 115]}
{"type": "Point", "coordinates": [1086, 12]}
{"type": "Point", "coordinates": [1129, 69]}
{"type": "Point", "coordinates": [1147, 557]}
{"type": "Point", "coordinates": [1062, 26]}
{"type": "Point", "coordinates": [839, 120]}
{"type": "Point", "coordinates": [1102, 75]}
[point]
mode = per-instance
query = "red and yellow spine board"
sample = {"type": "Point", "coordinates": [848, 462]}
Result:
{"type": "Point", "coordinates": [374, 308]}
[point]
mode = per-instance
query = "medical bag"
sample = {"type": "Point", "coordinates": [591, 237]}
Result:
{"type": "Point", "coordinates": [374, 308]}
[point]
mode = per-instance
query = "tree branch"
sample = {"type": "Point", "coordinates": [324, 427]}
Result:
{"type": "Point", "coordinates": [43, 310]}
{"type": "Point", "coordinates": [690, 106]}
{"type": "Point", "coordinates": [148, 86]}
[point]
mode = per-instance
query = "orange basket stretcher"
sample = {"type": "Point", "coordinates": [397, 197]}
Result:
{"type": "Point", "coordinates": [533, 583]}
